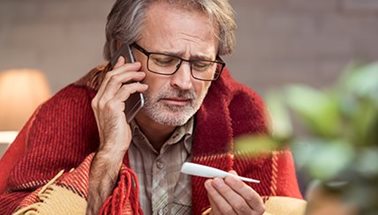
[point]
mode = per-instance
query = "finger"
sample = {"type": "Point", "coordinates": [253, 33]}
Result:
{"type": "Point", "coordinates": [120, 62]}
{"type": "Point", "coordinates": [117, 103]}
{"type": "Point", "coordinates": [109, 75]}
{"type": "Point", "coordinates": [214, 208]}
{"type": "Point", "coordinates": [233, 198]}
{"type": "Point", "coordinates": [120, 69]}
{"type": "Point", "coordinates": [233, 172]}
{"type": "Point", "coordinates": [126, 90]}
{"type": "Point", "coordinates": [218, 201]}
{"type": "Point", "coordinates": [251, 197]}
{"type": "Point", "coordinates": [117, 81]}
{"type": "Point", "coordinates": [125, 67]}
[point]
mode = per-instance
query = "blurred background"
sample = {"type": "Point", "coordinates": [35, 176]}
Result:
{"type": "Point", "coordinates": [279, 41]}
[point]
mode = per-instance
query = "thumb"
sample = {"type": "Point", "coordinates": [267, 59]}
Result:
{"type": "Point", "coordinates": [233, 172]}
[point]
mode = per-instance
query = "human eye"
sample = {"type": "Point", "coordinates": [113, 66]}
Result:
{"type": "Point", "coordinates": [163, 60]}
{"type": "Point", "coordinates": [201, 65]}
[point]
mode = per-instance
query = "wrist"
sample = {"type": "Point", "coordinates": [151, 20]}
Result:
{"type": "Point", "coordinates": [110, 156]}
{"type": "Point", "coordinates": [104, 169]}
{"type": "Point", "coordinates": [113, 148]}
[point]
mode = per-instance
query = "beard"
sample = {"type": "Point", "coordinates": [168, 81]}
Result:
{"type": "Point", "coordinates": [169, 114]}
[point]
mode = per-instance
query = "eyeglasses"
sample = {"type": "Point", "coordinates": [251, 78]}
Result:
{"type": "Point", "coordinates": [166, 64]}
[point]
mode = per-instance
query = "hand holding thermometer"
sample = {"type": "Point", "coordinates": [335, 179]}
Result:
{"type": "Point", "coordinates": [210, 172]}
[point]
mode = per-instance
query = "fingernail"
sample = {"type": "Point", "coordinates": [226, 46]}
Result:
{"type": "Point", "coordinates": [207, 184]}
{"type": "Point", "coordinates": [233, 172]}
{"type": "Point", "coordinates": [218, 182]}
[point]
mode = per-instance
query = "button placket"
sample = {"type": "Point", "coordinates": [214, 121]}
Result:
{"type": "Point", "coordinates": [159, 188]}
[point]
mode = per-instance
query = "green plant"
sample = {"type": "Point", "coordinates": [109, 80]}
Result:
{"type": "Point", "coordinates": [339, 141]}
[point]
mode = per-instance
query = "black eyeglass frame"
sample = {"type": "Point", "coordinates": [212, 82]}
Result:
{"type": "Point", "coordinates": [218, 61]}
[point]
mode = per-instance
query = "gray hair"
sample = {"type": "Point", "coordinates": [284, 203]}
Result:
{"type": "Point", "coordinates": [125, 20]}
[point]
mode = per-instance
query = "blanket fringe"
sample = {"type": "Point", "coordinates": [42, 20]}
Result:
{"type": "Point", "coordinates": [125, 197]}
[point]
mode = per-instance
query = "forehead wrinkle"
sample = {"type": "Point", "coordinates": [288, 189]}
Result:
{"type": "Point", "coordinates": [171, 40]}
{"type": "Point", "coordinates": [191, 37]}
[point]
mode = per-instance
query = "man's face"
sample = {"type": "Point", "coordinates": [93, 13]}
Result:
{"type": "Point", "coordinates": [173, 100]}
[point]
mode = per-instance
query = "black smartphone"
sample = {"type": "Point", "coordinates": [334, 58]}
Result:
{"type": "Point", "coordinates": [136, 100]}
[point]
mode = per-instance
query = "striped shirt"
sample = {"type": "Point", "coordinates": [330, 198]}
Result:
{"type": "Point", "coordinates": [163, 189]}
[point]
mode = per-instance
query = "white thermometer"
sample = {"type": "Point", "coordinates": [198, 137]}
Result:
{"type": "Point", "coordinates": [210, 172]}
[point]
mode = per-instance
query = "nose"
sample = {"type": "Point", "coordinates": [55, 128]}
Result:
{"type": "Point", "coordinates": [182, 79]}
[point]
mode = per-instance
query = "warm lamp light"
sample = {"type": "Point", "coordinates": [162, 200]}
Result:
{"type": "Point", "coordinates": [21, 91]}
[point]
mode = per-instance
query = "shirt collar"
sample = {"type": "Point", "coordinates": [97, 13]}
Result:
{"type": "Point", "coordinates": [185, 131]}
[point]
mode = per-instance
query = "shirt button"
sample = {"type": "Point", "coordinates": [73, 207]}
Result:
{"type": "Point", "coordinates": [159, 164]}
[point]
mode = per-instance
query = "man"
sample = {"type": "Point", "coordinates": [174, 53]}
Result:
{"type": "Point", "coordinates": [193, 111]}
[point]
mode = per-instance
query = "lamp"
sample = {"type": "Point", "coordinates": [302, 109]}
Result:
{"type": "Point", "coordinates": [21, 91]}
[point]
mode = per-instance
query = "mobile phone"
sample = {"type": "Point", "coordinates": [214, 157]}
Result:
{"type": "Point", "coordinates": [136, 100]}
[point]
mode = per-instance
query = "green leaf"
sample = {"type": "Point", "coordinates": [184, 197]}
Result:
{"type": "Point", "coordinates": [367, 162]}
{"type": "Point", "coordinates": [280, 120]}
{"type": "Point", "coordinates": [364, 123]}
{"type": "Point", "coordinates": [361, 80]}
{"type": "Point", "coordinates": [319, 111]}
{"type": "Point", "coordinates": [255, 145]}
{"type": "Point", "coordinates": [323, 159]}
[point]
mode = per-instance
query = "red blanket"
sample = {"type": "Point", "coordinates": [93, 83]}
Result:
{"type": "Point", "coordinates": [62, 132]}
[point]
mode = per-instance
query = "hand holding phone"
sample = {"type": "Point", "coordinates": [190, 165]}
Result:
{"type": "Point", "coordinates": [115, 135]}
{"type": "Point", "coordinates": [136, 100]}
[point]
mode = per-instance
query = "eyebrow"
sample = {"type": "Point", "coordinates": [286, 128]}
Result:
{"type": "Point", "coordinates": [192, 57]}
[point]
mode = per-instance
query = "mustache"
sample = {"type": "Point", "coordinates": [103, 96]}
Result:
{"type": "Point", "coordinates": [183, 94]}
